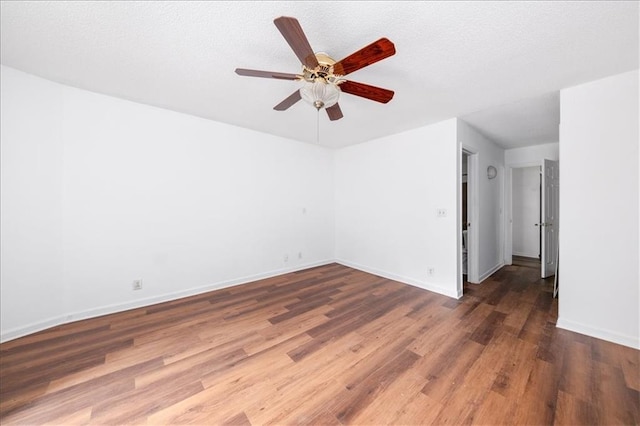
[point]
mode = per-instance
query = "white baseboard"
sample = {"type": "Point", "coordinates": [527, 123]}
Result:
{"type": "Point", "coordinates": [598, 333]}
{"type": "Point", "coordinates": [531, 255]}
{"type": "Point", "coordinates": [17, 332]}
{"type": "Point", "coordinates": [491, 271]}
{"type": "Point", "coordinates": [436, 288]}
{"type": "Point", "coordinates": [25, 330]}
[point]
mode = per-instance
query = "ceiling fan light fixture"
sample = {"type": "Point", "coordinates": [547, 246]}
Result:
{"type": "Point", "coordinates": [320, 93]}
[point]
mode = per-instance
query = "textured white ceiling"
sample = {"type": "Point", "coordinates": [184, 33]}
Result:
{"type": "Point", "coordinates": [526, 122]}
{"type": "Point", "coordinates": [454, 59]}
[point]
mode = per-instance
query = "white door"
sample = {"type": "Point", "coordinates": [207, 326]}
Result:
{"type": "Point", "coordinates": [550, 209]}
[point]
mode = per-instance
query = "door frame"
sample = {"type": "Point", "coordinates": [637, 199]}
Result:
{"type": "Point", "coordinates": [508, 217]}
{"type": "Point", "coordinates": [508, 207]}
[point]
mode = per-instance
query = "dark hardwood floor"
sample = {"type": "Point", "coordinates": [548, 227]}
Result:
{"type": "Point", "coordinates": [329, 345]}
{"type": "Point", "coordinates": [531, 262]}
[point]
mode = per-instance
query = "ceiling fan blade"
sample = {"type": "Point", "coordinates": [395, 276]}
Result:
{"type": "Point", "coordinates": [376, 51]}
{"type": "Point", "coordinates": [374, 93]}
{"type": "Point", "coordinates": [266, 74]}
{"type": "Point", "coordinates": [334, 112]}
{"type": "Point", "coordinates": [292, 32]}
{"type": "Point", "coordinates": [292, 99]}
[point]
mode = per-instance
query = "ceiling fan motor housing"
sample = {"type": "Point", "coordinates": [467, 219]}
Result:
{"type": "Point", "coordinates": [323, 71]}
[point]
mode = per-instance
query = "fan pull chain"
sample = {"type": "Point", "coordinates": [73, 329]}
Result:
{"type": "Point", "coordinates": [318, 126]}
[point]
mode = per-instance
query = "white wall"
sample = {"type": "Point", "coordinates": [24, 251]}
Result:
{"type": "Point", "coordinates": [31, 209]}
{"type": "Point", "coordinates": [526, 211]}
{"type": "Point", "coordinates": [388, 192]}
{"type": "Point", "coordinates": [485, 240]}
{"type": "Point", "coordinates": [97, 192]}
{"type": "Point", "coordinates": [530, 155]}
{"type": "Point", "coordinates": [599, 257]}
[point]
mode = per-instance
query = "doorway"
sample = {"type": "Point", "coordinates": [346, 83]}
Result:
{"type": "Point", "coordinates": [467, 238]}
{"type": "Point", "coordinates": [525, 211]}
{"type": "Point", "coordinates": [532, 225]}
{"type": "Point", "coordinates": [465, 215]}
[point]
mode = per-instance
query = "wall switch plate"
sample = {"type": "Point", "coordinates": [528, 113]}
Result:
{"type": "Point", "coordinates": [137, 284]}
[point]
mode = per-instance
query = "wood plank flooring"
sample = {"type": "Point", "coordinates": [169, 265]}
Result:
{"type": "Point", "coordinates": [329, 345]}
{"type": "Point", "coordinates": [531, 262]}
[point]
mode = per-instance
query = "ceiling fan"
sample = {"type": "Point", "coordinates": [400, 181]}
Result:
{"type": "Point", "coordinates": [323, 77]}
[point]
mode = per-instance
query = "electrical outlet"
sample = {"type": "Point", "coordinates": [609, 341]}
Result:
{"type": "Point", "coordinates": [431, 271]}
{"type": "Point", "coordinates": [137, 284]}
{"type": "Point", "coordinates": [286, 257]}
{"type": "Point", "coordinates": [299, 255]}
{"type": "Point", "coordinates": [442, 212]}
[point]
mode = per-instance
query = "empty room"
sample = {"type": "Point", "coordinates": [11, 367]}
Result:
{"type": "Point", "coordinates": [320, 213]}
